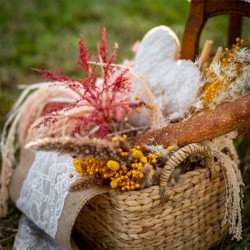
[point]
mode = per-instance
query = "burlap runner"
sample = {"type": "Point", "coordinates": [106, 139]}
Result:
{"type": "Point", "coordinates": [20, 173]}
{"type": "Point", "coordinates": [72, 206]}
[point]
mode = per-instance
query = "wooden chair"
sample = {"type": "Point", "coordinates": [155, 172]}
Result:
{"type": "Point", "coordinates": [201, 10]}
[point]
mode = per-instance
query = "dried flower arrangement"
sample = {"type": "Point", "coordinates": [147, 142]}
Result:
{"type": "Point", "coordinates": [120, 129]}
{"type": "Point", "coordinates": [136, 169]}
{"type": "Point", "coordinates": [105, 95]}
{"type": "Point", "coordinates": [113, 160]}
{"type": "Point", "coordinates": [226, 78]}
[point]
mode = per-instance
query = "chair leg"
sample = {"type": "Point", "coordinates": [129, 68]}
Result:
{"type": "Point", "coordinates": [191, 41]}
{"type": "Point", "coordinates": [193, 28]}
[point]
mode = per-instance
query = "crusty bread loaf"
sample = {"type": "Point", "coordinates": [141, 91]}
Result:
{"type": "Point", "coordinates": [205, 125]}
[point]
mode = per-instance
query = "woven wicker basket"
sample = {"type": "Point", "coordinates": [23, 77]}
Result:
{"type": "Point", "coordinates": [187, 215]}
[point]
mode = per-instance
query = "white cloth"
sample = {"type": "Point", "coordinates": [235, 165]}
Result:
{"type": "Point", "coordinates": [45, 188]}
{"type": "Point", "coordinates": [29, 236]}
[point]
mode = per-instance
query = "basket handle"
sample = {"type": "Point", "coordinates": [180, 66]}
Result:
{"type": "Point", "coordinates": [177, 158]}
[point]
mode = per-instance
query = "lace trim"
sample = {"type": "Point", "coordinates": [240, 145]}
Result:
{"type": "Point", "coordinates": [45, 188]}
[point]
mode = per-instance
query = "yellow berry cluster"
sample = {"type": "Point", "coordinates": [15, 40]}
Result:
{"type": "Point", "coordinates": [89, 166]}
{"type": "Point", "coordinates": [124, 177]}
{"type": "Point", "coordinates": [214, 83]}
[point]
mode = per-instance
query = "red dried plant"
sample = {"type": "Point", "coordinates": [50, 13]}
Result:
{"type": "Point", "coordinates": [107, 97]}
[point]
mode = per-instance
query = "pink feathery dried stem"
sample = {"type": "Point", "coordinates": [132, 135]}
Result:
{"type": "Point", "coordinates": [103, 49]}
{"type": "Point", "coordinates": [84, 56]}
{"type": "Point", "coordinates": [104, 100]}
{"type": "Point", "coordinates": [56, 75]}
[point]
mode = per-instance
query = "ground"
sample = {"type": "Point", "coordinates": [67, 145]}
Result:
{"type": "Point", "coordinates": [44, 34]}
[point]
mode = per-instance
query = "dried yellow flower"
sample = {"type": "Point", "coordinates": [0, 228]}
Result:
{"type": "Point", "coordinates": [124, 137]}
{"type": "Point", "coordinates": [113, 165]}
{"type": "Point", "coordinates": [137, 154]}
{"type": "Point", "coordinates": [113, 184]}
{"type": "Point", "coordinates": [219, 77]}
{"type": "Point", "coordinates": [120, 176]}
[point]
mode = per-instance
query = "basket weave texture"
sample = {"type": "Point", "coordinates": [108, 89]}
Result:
{"type": "Point", "coordinates": [186, 215]}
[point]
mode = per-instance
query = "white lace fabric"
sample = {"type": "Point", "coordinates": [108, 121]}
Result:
{"type": "Point", "coordinates": [29, 236]}
{"type": "Point", "coordinates": [45, 188]}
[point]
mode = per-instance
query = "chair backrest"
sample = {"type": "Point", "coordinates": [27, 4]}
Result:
{"type": "Point", "coordinates": [201, 10]}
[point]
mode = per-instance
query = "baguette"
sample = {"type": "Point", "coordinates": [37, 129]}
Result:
{"type": "Point", "coordinates": [207, 124]}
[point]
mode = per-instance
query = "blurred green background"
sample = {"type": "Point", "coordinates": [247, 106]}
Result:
{"type": "Point", "coordinates": [44, 34]}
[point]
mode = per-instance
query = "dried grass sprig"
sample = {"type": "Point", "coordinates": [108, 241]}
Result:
{"type": "Point", "coordinates": [84, 147]}
{"type": "Point", "coordinates": [85, 182]}
{"type": "Point", "coordinates": [150, 179]}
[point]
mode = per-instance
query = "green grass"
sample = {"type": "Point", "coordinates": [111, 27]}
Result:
{"type": "Point", "coordinates": [44, 34]}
